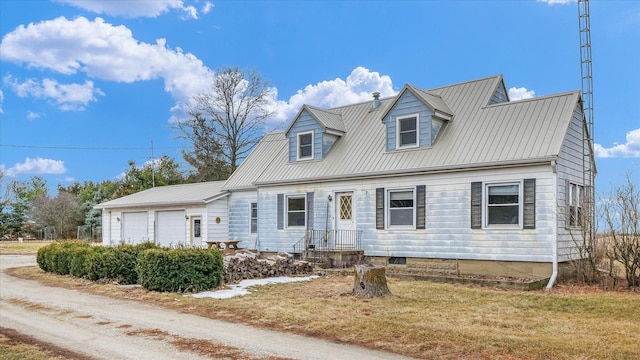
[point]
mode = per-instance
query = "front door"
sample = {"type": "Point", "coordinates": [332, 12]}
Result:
{"type": "Point", "coordinates": [345, 219]}
{"type": "Point", "coordinates": [196, 231]}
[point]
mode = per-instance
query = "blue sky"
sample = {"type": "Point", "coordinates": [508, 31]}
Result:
{"type": "Point", "coordinates": [87, 85]}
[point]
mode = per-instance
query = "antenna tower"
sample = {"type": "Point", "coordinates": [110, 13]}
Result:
{"type": "Point", "coordinates": [587, 104]}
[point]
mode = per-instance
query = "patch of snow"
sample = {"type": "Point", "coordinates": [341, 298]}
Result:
{"type": "Point", "coordinates": [241, 289]}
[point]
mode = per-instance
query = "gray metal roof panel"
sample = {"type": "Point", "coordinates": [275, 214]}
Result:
{"type": "Point", "coordinates": [259, 159]}
{"type": "Point", "coordinates": [511, 132]}
{"type": "Point", "coordinates": [183, 194]}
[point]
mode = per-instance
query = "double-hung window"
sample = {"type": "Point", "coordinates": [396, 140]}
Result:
{"type": "Point", "coordinates": [407, 131]}
{"type": "Point", "coordinates": [576, 199]}
{"type": "Point", "coordinates": [305, 146]}
{"type": "Point", "coordinates": [254, 218]}
{"type": "Point", "coordinates": [503, 204]}
{"type": "Point", "coordinates": [296, 211]}
{"type": "Point", "coordinates": [401, 208]}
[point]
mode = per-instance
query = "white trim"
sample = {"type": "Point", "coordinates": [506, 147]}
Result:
{"type": "Point", "coordinates": [485, 206]}
{"type": "Point", "coordinates": [286, 211]}
{"type": "Point", "coordinates": [298, 135]}
{"type": "Point", "coordinates": [387, 209]}
{"type": "Point", "coordinates": [400, 118]}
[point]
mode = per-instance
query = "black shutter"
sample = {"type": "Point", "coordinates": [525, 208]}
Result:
{"type": "Point", "coordinates": [309, 208]}
{"type": "Point", "coordinates": [529, 204]}
{"type": "Point", "coordinates": [567, 204]}
{"type": "Point", "coordinates": [380, 208]}
{"type": "Point", "coordinates": [280, 211]}
{"type": "Point", "coordinates": [476, 205]}
{"type": "Point", "coordinates": [421, 192]}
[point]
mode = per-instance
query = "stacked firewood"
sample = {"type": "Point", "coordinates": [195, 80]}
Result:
{"type": "Point", "coordinates": [245, 264]}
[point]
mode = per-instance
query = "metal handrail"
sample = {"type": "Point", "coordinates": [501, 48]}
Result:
{"type": "Point", "coordinates": [329, 240]}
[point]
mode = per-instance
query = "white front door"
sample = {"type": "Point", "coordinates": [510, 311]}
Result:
{"type": "Point", "coordinates": [196, 231]}
{"type": "Point", "coordinates": [345, 217]}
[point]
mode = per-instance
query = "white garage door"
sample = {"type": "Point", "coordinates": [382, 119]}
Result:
{"type": "Point", "coordinates": [171, 228]}
{"type": "Point", "coordinates": [135, 227]}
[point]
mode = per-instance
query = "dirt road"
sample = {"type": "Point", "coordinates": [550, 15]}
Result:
{"type": "Point", "coordinates": [106, 328]}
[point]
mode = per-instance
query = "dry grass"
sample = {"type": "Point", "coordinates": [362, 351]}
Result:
{"type": "Point", "coordinates": [17, 346]}
{"type": "Point", "coordinates": [21, 248]}
{"type": "Point", "coordinates": [422, 319]}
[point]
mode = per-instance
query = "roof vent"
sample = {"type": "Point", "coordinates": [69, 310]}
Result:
{"type": "Point", "coordinates": [376, 100]}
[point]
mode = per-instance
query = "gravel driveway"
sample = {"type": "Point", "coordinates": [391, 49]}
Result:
{"type": "Point", "coordinates": [107, 328]}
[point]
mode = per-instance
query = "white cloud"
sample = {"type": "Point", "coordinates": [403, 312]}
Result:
{"type": "Point", "coordinates": [66, 96]}
{"type": "Point", "coordinates": [520, 93]}
{"type": "Point", "coordinates": [37, 166]}
{"type": "Point", "coordinates": [207, 7]}
{"type": "Point", "coordinates": [629, 149]}
{"type": "Point", "coordinates": [133, 8]}
{"type": "Point", "coordinates": [358, 87]}
{"type": "Point", "coordinates": [103, 51]}
{"type": "Point", "coordinates": [33, 115]}
{"type": "Point", "coordinates": [554, 2]}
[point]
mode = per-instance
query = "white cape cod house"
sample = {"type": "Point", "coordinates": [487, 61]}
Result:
{"type": "Point", "coordinates": [454, 179]}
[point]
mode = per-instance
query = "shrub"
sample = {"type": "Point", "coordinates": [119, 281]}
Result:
{"type": "Point", "coordinates": [180, 269]}
{"type": "Point", "coordinates": [58, 257]}
{"type": "Point", "coordinates": [114, 263]}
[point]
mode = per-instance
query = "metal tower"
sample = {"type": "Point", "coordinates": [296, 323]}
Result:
{"type": "Point", "coordinates": [587, 103]}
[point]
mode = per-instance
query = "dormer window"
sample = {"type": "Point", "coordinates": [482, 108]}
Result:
{"type": "Point", "coordinates": [407, 127]}
{"type": "Point", "coordinates": [305, 145]}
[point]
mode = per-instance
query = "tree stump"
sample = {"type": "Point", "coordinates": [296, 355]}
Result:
{"type": "Point", "coordinates": [370, 281]}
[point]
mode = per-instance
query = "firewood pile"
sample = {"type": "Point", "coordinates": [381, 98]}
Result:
{"type": "Point", "coordinates": [245, 264]}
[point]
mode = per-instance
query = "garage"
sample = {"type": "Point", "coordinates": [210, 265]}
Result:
{"type": "Point", "coordinates": [171, 228]}
{"type": "Point", "coordinates": [135, 227]}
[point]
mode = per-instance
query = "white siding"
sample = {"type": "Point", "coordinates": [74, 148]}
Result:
{"type": "Point", "coordinates": [570, 168]}
{"type": "Point", "coordinates": [218, 231]}
{"type": "Point", "coordinates": [447, 234]}
{"type": "Point", "coordinates": [239, 218]}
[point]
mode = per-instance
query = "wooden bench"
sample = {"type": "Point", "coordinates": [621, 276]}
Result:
{"type": "Point", "coordinates": [228, 245]}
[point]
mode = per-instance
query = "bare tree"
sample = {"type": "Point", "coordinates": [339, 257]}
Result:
{"type": "Point", "coordinates": [62, 212]}
{"type": "Point", "coordinates": [621, 211]}
{"type": "Point", "coordinates": [226, 122]}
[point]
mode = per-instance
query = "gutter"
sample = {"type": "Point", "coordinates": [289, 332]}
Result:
{"type": "Point", "coordinates": [554, 273]}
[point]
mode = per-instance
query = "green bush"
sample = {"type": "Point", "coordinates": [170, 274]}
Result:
{"type": "Point", "coordinates": [113, 263]}
{"type": "Point", "coordinates": [58, 257]}
{"type": "Point", "coordinates": [117, 263]}
{"type": "Point", "coordinates": [41, 258]}
{"type": "Point", "coordinates": [184, 270]}
{"type": "Point", "coordinates": [79, 264]}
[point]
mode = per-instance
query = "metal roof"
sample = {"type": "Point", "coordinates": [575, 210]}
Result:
{"type": "Point", "coordinates": [183, 194]}
{"type": "Point", "coordinates": [482, 135]}
{"type": "Point", "coordinates": [328, 119]}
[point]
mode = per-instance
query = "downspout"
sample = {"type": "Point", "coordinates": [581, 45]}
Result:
{"type": "Point", "coordinates": [554, 240]}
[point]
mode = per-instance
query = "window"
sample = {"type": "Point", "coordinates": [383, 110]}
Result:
{"type": "Point", "coordinates": [346, 208]}
{"type": "Point", "coordinates": [503, 204]}
{"type": "Point", "coordinates": [296, 213]}
{"type": "Point", "coordinates": [305, 146]}
{"type": "Point", "coordinates": [407, 129]}
{"type": "Point", "coordinates": [254, 218]}
{"type": "Point", "coordinates": [196, 228]}
{"type": "Point", "coordinates": [576, 198]}
{"type": "Point", "coordinates": [507, 205]}
{"type": "Point", "coordinates": [401, 208]}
